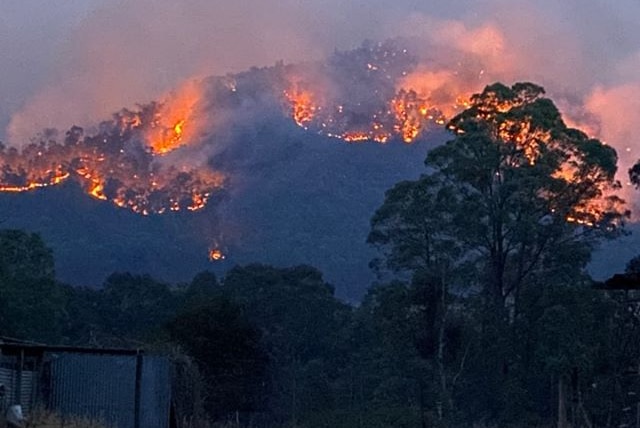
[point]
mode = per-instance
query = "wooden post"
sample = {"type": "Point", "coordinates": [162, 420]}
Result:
{"type": "Point", "coordinates": [562, 410]}
{"type": "Point", "coordinates": [18, 391]}
{"type": "Point", "coordinates": [138, 390]}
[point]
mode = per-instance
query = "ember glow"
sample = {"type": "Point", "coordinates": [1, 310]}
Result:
{"type": "Point", "coordinates": [374, 93]}
{"type": "Point", "coordinates": [120, 163]}
{"type": "Point", "coordinates": [303, 107]}
{"type": "Point", "coordinates": [525, 142]}
{"type": "Point", "coordinates": [216, 255]}
{"type": "Point", "coordinates": [174, 124]}
{"type": "Point", "coordinates": [379, 92]}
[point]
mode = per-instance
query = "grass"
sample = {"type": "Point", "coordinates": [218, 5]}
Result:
{"type": "Point", "coordinates": [45, 419]}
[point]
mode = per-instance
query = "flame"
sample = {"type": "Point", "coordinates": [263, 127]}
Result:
{"type": "Point", "coordinates": [405, 115]}
{"type": "Point", "coordinates": [119, 164]}
{"type": "Point", "coordinates": [411, 114]}
{"type": "Point", "coordinates": [216, 255]}
{"type": "Point", "coordinates": [393, 100]}
{"type": "Point", "coordinates": [174, 124]}
{"type": "Point", "coordinates": [96, 190]}
{"type": "Point", "coordinates": [525, 143]}
{"type": "Point", "coordinates": [375, 93]}
{"type": "Point", "coordinates": [303, 105]}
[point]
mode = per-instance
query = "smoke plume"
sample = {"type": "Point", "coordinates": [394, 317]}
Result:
{"type": "Point", "coordinates": [96, 57]}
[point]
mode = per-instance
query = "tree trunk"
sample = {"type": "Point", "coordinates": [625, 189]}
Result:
{"type": "Point", "coordinates": [562, 410]}
{"type": "Point", "coordinates": [294, 395]}
{"type": "Point", "coordinates": [423, 420]}
{"type": "Point", "coordinates": [444, 393]}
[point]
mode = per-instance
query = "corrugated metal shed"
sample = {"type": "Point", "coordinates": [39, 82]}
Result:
{"type": "Point", "coordinates": [155, 400]}
{"type": "Point", "coordinates": [7, 380]}
{"type": "Point", "coordinates": [19, 382]}
{"type": "Point", "coordinates": [123, 388]}
{"type": "Point", "coordinates": [98, 387]}
{"type": "Point", "coordinates": [28, 387]}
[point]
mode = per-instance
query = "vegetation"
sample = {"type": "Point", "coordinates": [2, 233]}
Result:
{"type": "Point", "coordinates": [483, 315]}
{"type": "Point", "coordinates": [44, 419]}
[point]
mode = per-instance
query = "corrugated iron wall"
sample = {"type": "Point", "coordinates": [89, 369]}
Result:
{"type": "Point", "coordinates": [103, 387]}
{"type": "Point", "coordinates": [28, 388]}
{"type": "Point", "coordinates": [155, 397]}
{"type": "Point", "coordinates": [8, 379]}
{"type": "Point", "coordinates": [21, 391]}
{"type": "Point", "coordinates": [100, 387]}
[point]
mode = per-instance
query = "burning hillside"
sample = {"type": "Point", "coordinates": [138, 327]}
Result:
{"type": "Point", "coordinates": [358, 95]}
{"type": "Point", "coordinates": [379, 92]}
{"type": "Point", "coordinates": [366, 95]}
{"type": "Point", "coordinates": [121, 162]}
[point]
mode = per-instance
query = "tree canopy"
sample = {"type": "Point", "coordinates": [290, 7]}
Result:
{"type": "Point", "coordinates": [510, 198]}
{"type": "Point", "coordinates": [489, 317]}
{"type": "Point", "coordinates": [31, 304]}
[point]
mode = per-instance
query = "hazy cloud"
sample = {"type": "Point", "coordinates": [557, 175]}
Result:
{"type": "Point", "coordinates": [75, 62]}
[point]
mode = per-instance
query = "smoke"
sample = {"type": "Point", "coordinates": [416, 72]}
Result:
{"type": "Point", "coordinates": [586, 54]}
{"type": "Point", "coordinates": [129, 52]}
{"type": "Point", "coordinates": [97, 57]}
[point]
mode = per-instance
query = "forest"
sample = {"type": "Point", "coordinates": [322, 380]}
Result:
{"type": "Point", "coordinates": [483, 313]}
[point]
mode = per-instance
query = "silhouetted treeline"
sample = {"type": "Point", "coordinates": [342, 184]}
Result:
{"type": "Point", "coordinates": [484, 314]}
{"type": "Point", "coordinates": [276, 348]}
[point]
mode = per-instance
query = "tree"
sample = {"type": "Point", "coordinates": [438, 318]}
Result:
{"type": "Point", "coordinates": [202, 287]}
{"type": "Point", "coordinates": [134, 306]}
{"type": "Point", "coordinates": [31, 302]}
{"type": "Point", "coordinates": [516, 200]}
{"type": "Point", "coordinates": [300, 321]}
{"type": "Point", "coordinates": [516, 194]}
{"type": "Point", "coordinates": [229, 352]}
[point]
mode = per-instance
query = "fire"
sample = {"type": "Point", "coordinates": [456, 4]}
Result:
{"type": "Point", "coordinates": [523, 137]}
{"type": "Point", "coordinates": [384, 96]}
{"type": "Point", "coordinates": [591, 214]}
{"type": "Point", "coordinates": [216, 255]}
{"type": "Point", "coordinates": [303, 107]}
{"type": "Point", "coordinates": [378, 92]}
{"type": "Point", "coordinates": [405, 115]}
{"type": "Point", "coordinates": [174, 123]}
{"type": "Point", "coordinates": [411, 114]}
{"type": "Point", "coordinates": [119, 164]}
{"type": "Point", "coordinates": [593, 210]}
{"type": "Point", "coordinates": [96, 190]}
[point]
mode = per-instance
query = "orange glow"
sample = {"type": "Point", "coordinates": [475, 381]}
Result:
{"type": "Point", "coordinates": [444, 92]}
{"type": "Point", "coordinates": [355, 137]}
{"type": "Point", "coordinates": [405, 115]}
{"type": "Point", "coordinates": [96, 190]}
{"type": "Point", "coordinates": [198, 201]}
{"type": "Point", "coordinates": [411, 113]}
{"type": "Point", "coordinates": [303, 106]}
{"type": "Point", "coordinates": [523, 137]}
{"type": "Point", "coordinates": [216, 255]}
{"type": "Point", "coordinates": [110, 167]}
{"type": "Point", "coordinates": [592, 212]}
{"type": "Point", "coordinates": [175, 123]}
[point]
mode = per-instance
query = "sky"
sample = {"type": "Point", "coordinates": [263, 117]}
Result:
{"type": "Point", "coordinates": [76, 61]}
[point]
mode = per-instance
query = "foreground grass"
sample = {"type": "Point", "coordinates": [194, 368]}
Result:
{"type": "Point", "coordinates": [44, 419]}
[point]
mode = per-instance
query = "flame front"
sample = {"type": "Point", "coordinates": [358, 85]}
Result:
{"type": "Point", "coordinates": [303, 106]}
{"type": "Point", "coordinates": [119, 164]}
{"type": "Point", "coordinates": [174, 124]}
{"type": "Point", "coordinates": [386, 98]}
{"type": "Point", "coordinates": [378, 92]}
